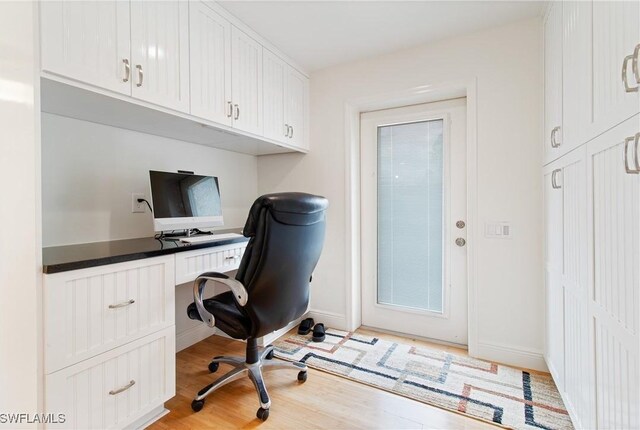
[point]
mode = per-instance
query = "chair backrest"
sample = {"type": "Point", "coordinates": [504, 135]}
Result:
{"type": "Point", "coordinates": [286, 232]}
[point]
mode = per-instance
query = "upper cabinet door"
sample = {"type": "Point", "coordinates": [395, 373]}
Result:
{"type": "Point", "coordinates": [273, 72]}
{"type": "Point", "coordinates": [246, 82]}
{"type": "Point", "coordinates": [210, 49]}
{"type": "Point", "coordinates": [553, 83]}
{"type": "Point", "coordinates": [616, 34]}
{"type": "Point", "coordinates": [160, 53]}
{"type": "Point", "coordinates": [576, 71]}
{"type": "Point", "coordinates": [296, 94]}
{"type": "Point", "coordinates": [87, 41]}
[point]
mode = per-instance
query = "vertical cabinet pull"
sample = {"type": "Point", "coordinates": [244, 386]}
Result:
{"type": "Point", "coordinates": [627, 141]}
{"type": "Point", "coordinates": [127, 70]}
{"type": "Point", "coordinates": [237, 112]}
{"type": "Point", "coordinates": [625, 81]}
{"type": "Point", "coordinates": [286, 130]}
{"type": "Point", "coordinates": [291, 135]}
{"type": "Point", "coordinates": [554, 179]}
{"type": "Point", "coordinates": [140, 75]}
{"type": "Point", "coordinates": [230, 108]}
{"type": "Point", "coordinates": [554, 140]}
{"type": "Point", "coordinates": [635, 66]}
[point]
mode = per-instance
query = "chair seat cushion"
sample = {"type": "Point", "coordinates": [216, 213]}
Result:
{"type": "Point", "coordinates": [228, 317]}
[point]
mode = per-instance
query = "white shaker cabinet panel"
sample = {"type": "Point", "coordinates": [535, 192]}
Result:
{"type": "Point", "coordinates": [210, 71]}
{"type": "Point", "coordinates": [87, 41]}
{"type": "Point", "coordinates": [274, 74]}
{"type": "Point", "coordinates": [246, 82]}
{"type": "Point", "coordinates": [616, 34]}
{"type": "Point", "coordinates": [296, 96]}
{"type": "Point", "coordinates": [614, 270]}
{"type": "Point", "coordinates": [553, 83]}
{"type": "Point", "coordinates": [160, 53]}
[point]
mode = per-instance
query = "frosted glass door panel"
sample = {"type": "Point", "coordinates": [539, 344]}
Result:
{"type": "Point", "coordinates": [410, 215]}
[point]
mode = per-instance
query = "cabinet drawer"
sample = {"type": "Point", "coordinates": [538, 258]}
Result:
{"type": "Point", "coordinates": [190, 264]}
{"type": "Point", "coordinates": [116, 388]}
{"type": "Point", "coordinates": [90, 311]}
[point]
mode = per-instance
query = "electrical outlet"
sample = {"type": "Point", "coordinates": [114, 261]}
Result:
{"type": "Point", "coordinates": [136, 207]}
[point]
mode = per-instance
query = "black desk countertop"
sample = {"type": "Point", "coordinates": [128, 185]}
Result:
{"type": "Point", "coordinates": [57, 259]}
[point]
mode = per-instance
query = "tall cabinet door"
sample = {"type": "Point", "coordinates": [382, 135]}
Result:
{"type": "Point", "coordinates": [296, 93]}
{"type": "Point", "coordinates": [553, 262]}
{"type": "Point", "coordinates": [273, 71]}
{"type": "Point", "coordinates": [160, 53]}
{"type": "Point", "coordinates": [246, 82]}
{"type": "Point", "coordinates": [210, 59]}
{"type": "Point", "coordinates": [553, 82]}
{"type": "Point", "coordinates": [614, 269]}
{"type": "Point", "coordinates": [578, 383]}
{"type": "Point", "coordinates": [616, 32]}
{"type": "Point", "coordinates": [87, 41]}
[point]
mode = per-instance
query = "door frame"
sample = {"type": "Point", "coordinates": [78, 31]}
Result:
{"type": "Point", "coordinates": [427, 93]}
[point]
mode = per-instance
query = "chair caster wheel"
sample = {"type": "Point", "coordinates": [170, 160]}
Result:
{"type": "Point", "coordinates": [197, 405]}
{"type": "Point", "coordinates": [213, 366]}
{"type": "Point", "coordinates": [269, 356]}
{"type": "Point", "coordinates": [302, 376]}
{"type": "Point", "coordinates": [262, 414]}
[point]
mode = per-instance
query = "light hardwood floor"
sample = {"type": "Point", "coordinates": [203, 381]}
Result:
{"type": "Point", "coordinates": [323, 402]}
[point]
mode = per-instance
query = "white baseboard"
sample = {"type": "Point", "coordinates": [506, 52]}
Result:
{"type": "Point", "coordinates": [329, 319]}
{"type": "Point", "coordinates": [567, 404]}
{"type": "Point", "coordinates": [194, 335]}
{"type": "Point", "coordinates": [520, 357]}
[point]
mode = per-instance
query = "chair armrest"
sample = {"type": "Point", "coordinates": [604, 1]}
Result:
{"type": "Point", "coordinates": [239, 293]}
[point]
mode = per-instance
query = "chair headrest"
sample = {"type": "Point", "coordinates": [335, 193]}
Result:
{"type": "Point", "coordinates": [288, 208]}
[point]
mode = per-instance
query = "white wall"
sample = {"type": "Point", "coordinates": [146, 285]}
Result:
{"type": "Point", "coordinates": [507, 64]}
{"type": "Point", "coordinates": [90, 170]}
{"type": "Point", "coordinates": [21, 379]}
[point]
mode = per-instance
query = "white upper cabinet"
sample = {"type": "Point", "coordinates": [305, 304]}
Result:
{"type": "Point", "coordinates": [246, 82]}
{"type": "Point", "coordinates": [295, 106]}
{"type": "Point", "coordinates": [160, 53]}
{"type": "Point", "coordinates": [273, 72]}
{"type": "Point", "coordinates": [616, 36]}
{"type": "Point", "coordinates": [553, 83]}
{"type": "Point", "coordinates": [88, 42]}
{"type": "Point", "coordinates": [210, 49]}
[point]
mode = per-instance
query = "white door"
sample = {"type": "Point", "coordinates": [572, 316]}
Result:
{"type": "Point", "coordinates": [210, 71]}
{"type": "Point", "coordinates": [295, 105]}
{"type": "Point", "coordinates": [413, 190]}
{"type": "Point", "coordinates": [273, 71]}
{"type": "Point", "coordinates": [160, 53]}
{"type": "Point", "coordinates": [87, 41]}
{"type": "Point", "coordinates": [246, 82]}
{"type": "Point", "coordinates": [553, 82]}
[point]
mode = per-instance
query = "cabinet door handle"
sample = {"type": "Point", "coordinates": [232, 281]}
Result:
{"type": "Point", "coordinates": [554, 180]}
{"type": "Point", "coordinates": [636, 159]}
{"type": "Point", "coordinates": [291, 135]}
{"type": "Point", "coordinates": [230, 106]}
{"type": "Point", "coordinates": [140, 75]}
{"type": "Point", "coordinates": [625, 81]}
{"type": "Point", "coordinates": [125, 388]}
{"type": "Point", "coordinates": [635, 66]}
{"type": "Point", "coordinates": [554, 141]}
{"type": "Point", "coordinates": [627, 169]}
{"type": "Point", "coordinates": [286, 130]}
{"type": "Point", "coordinates": [122, 305]}
{"type": "Point", "coordinates": [127, 70]}
{"type": "Point", "coordinates": [237, 112]}
{"type": "Point", "coordinates": [232, 257]}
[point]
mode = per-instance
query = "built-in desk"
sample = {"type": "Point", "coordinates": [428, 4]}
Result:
{"type": "Point", "coordinates": [110, 325]}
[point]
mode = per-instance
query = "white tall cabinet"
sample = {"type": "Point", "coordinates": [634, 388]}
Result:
{"type": "Point", "coordinates": [592, 209]}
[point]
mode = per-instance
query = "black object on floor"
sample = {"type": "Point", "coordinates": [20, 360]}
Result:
{"type": "Point", "coordinates": [305, 326]}
{"type": "Point", "coordinates": [318, 333]}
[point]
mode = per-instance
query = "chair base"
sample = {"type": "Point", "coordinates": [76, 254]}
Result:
{"type": "Point", "coordinates": [256, 362]}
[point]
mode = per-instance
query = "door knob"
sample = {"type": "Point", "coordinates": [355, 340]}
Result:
{"type": "Point", "coordinates": [461, 242]}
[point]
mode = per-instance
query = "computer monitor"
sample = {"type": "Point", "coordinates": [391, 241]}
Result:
{"type": "Point", "coordinates": [184, 201]}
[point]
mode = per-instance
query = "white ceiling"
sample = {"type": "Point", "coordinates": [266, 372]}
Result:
{"type": "Point", "coordinates": [319, 34]}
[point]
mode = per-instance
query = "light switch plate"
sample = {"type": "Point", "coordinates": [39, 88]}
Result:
{"type": "Point", "coordinates": [498, 230]}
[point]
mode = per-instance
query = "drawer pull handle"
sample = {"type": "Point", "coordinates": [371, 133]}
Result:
{"type": "Point", "coordinates": [122, 305]}
{"type": "Point", "coordinates": [232, 257]}
{"type": "Point", "coordinates": [125, 388]}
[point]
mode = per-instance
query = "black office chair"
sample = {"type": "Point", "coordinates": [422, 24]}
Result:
{"type": "Point", "coordinates": [271, 288]}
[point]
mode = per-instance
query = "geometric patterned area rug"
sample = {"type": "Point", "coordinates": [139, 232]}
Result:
{"type": "Point", "coordinates": [483, 390]}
